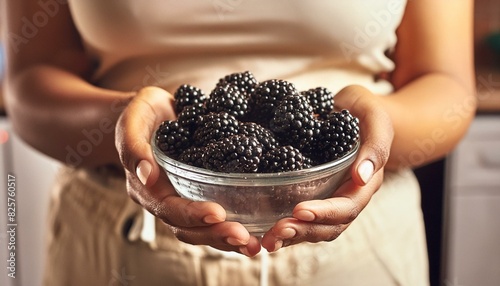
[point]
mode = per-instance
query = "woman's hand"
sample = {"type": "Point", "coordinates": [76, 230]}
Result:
{"type": "Point", "coordinates": [325, 220]}
{"type": "Point", "coordinates": [199, 223]}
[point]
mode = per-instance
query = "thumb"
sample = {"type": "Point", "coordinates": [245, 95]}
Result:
{"type": "Point", "coordinates": [134, 130]}
{"type": "Point", "coordinates": [376, 131]}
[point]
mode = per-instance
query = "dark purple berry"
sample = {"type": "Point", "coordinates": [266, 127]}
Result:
{"type": "Point", "coordinates": [339, 134]}
{"type": "Point", "coordinates": [321, 100]}
{"type": "Point", "coordinates": [227, 98]}
{"type": "Point", "coordinates": [187, 95]}
{"type": "Point", "coordinates": [284, 159]}
{"type": "Point", "coordinates": [215, 126]}
{"type": "Point", "coordinates": [235, 154]}
{"type": "Point", "coordinates": [267, 97]}
{"type": "Point", "coordinates": [193, 156]}
{"type": "Point", "coordinates": [262, 134]}
{"type": "Point", "coordinates": [190, 115]}
{"type": "Point", "coordinates": [244, 81]}
{"type": "Point", "coordinates": [293, 122]}
{"type": "Point", "coordinates": [172, 138]}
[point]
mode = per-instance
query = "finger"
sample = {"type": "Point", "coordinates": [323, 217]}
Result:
{"type": "Point", "coordinates": [290, 231]}
{"type": "Point", "coordinates": [227, 236]}
{"type": "Point", "coordinates": [322, 220]}
{"type": "Point", "coordinates": [135, 127]}
{"type": "Point", "coordinates": [348, 201]}
{"type": "Point", "coordinates": [163, 202]}
{"type": "Point", "coordinates": [376, 132]}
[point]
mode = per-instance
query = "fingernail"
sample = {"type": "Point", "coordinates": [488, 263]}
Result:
{"type": "Point", "coordinates": [277, 245]}
{"type": "Point", "coordinates": [288, 233]}
{"type": "Point", "coordinates": [244, 251]}
{"type": "Point", "coordinates": [212, 219]}
{"type": "Point", "coordinates": [234, 241]}
{"type": "Point", "coordinates": [143, 171]}
{"type": "Point", "coordinates": [304, 215]}
{"type": "Point", "coordinates": [365, 171]}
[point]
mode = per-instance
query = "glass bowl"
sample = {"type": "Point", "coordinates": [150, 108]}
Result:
{"type": "Point", "coordinates": [257, 201]}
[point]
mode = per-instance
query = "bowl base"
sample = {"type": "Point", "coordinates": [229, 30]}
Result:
{"type": "Point", "coordinates": [258, 230]}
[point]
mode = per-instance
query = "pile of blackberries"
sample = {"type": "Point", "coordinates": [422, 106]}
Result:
{"type": "Point", "coordinates": [246, 126]}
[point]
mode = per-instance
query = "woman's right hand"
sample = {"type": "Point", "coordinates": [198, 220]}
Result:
{"type": "Point", "coordinates": [198, 223]}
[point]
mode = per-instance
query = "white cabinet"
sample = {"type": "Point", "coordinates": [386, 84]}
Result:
{"type": "Point", "coordinates": [34, 175]}
{"type": "Point", "coordinates": [472, 237]}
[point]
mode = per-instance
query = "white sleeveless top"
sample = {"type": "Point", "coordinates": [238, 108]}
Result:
{"type": "Point", "coordinates": [169, 42]}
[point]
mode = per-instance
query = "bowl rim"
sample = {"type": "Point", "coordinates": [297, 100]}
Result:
{"type": "Point", "coordinates": [174, 167]}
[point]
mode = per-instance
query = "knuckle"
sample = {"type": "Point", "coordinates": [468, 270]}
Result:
{"type": "Point", "coordinates": [178, 215]}
{"type": "Point", "coordinates": [334, 233]}
{"type": "Point", "coordinates": [181, 235]}
{"type": "Point", "coordinates": [353, 213]}
{"type": "Point", "coordinates": [380, 153]}
{"type": "Point", "coordinates": [332, 211]}
{"type": "Point", "coordinates": [187, 215]}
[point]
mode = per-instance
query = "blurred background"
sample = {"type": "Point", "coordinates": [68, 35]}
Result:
{"type": "Point", "coordinates": [461, 197]}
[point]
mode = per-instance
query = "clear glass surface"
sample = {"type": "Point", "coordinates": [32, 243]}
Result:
{"type": "Point", "coordinates": [256, 200]}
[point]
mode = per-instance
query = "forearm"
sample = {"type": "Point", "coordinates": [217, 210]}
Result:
{"type": "Point", "coordinates": [64, 116]}
{"type": "Point", "coordinates": [430, 115]}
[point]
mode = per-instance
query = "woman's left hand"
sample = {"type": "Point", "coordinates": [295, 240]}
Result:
{"type": "Point", "coordinates": [325, 220]}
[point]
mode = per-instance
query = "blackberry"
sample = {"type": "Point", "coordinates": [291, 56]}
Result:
{"type": "Point", "coordinates": [187, 95]}
{"type": "Point", "coordinates": [321, 100]}
{"type": "Point", "coordinates": [293, 122]}
{"type": "Point", "coordinates": [229, 99]}
{"type": "Point", "coordinates": [267, 96]}
{"type": "Point", "coordinates": [339, 133]}
{"type": "Point", "coordinates": [245, 127]}
{"type": "Point", "coordinates": [244, 81]}
{"type": "Point", "coordinates": [235, 154]}
{"type": "Point", "coordinates": [172, 138]}
{"type": "Point", "coordinates": [193, 156]}
{"type": "Point", "coordinates": [190, 115]}
{"type": "Point", "coordinates": [284, 159]}
{"type": "Point", "coordinates": [215, 126]}
{"type": "Point", "coordinates": [263, 135]}
{"type": "Point", "coordinates": [310, 145]}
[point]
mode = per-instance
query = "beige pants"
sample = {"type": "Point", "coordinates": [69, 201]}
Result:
{"type": "Point", "coordinates": [89, 243]}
